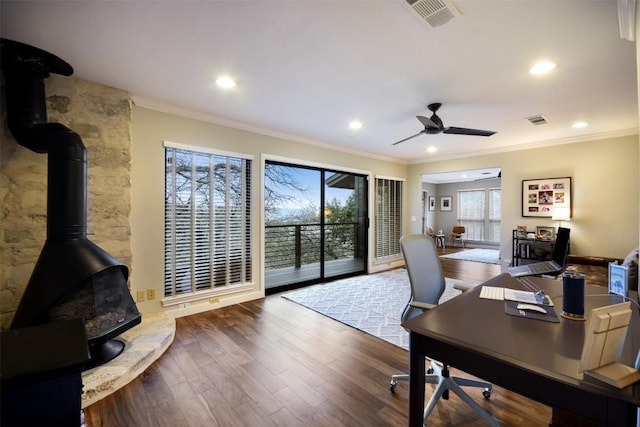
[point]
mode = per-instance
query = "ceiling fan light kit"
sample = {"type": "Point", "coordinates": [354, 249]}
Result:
{"type": "Point", "coordinates": [433, 125]}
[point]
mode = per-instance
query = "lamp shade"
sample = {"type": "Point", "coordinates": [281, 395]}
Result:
{"type": "Point", "coordinates": [561, 214]}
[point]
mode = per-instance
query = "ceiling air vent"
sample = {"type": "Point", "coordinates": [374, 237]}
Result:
{"type": "Point", "coordinates": [537, 120]}
{"type": "Point", "coordinates": [434, 12]}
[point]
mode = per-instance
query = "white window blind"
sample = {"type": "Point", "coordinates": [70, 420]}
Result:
{"type": "Point", "coordinates": [479, 211]}
{"type": "Point", "coordinates": [207, 221]}
{"type": "Point", "coordinates": [495, 214]}
{"type": "Point", "coordinates": [471, 213]}
{"type": "Point", "coordinates": [388, 217]}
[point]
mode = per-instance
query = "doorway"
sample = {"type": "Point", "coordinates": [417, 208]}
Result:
{"type": "Point", "coordinates": [315, 225]}
{"type": "Point", "coordinates": [473, 200]}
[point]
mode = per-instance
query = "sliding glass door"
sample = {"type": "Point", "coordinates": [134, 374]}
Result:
{"type": "Point", "coordinates": [315, 225]}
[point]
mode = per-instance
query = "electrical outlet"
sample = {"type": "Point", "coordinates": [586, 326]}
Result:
{"type": "Point", "coordinates": [151, 294]}
{"type": "Point", "coordinates": [140, 296]}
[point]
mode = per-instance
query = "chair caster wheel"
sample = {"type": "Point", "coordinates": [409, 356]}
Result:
{"type": "Point", "coordinates": [486, 393]}
{"type": "Point", "coordinates": [392, 387]}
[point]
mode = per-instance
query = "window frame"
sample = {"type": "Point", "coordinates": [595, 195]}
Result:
{"type": "Point", "coordinates": [237, 277]}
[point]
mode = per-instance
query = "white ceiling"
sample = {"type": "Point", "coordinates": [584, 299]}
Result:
{"type": "Point", "coordinates": [462, 176]}
{"type": "Point", "coordinates": [305, 69]}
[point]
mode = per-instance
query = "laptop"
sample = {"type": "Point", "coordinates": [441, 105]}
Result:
{"type": "Point", "coordinates": [552, 268]}
{"type": "Point", "coordinates": [535, 269]}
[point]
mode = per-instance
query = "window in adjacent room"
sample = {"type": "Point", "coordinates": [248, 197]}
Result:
{"type": "Point", "coordinates": [479, 212]}
{"type": "Point", "coordinates": [207, 222]}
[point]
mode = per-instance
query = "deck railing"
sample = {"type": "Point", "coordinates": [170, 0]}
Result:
{"type": "Point", "coordinates": [292, 245]}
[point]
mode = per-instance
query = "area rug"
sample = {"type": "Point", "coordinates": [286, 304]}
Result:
{"type": "Point", "coordinates": [371, 303]}
{"type": "Point", "coordinates": [489, 256]}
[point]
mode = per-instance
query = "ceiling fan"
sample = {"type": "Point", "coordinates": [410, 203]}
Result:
{"type": "Point", "coordinates": [499, 176]}
{"type": "Point", "coordinates": [433, 125]}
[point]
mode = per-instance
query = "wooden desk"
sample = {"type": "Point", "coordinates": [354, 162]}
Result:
{"type": "Point", "coordinates": [534, 358]}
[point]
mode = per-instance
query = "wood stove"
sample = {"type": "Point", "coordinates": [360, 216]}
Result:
{"type": "Point", "coordinates": [73, 277]}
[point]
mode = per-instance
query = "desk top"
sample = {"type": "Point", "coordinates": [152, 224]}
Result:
{"type": "Point", "coordinates": [551, 350]}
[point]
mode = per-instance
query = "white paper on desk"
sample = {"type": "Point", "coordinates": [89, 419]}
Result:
{"type": "Point", "coordinates": [520, 296]}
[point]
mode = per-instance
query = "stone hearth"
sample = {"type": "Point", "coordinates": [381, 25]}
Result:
{"type": "Point", "coordinates": [144, 344]}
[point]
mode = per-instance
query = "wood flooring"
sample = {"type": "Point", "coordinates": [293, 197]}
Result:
{"type": "Point", "coordinates": [272, 362]}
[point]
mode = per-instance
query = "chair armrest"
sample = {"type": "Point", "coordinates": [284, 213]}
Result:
{"type": "Point", "coordinates": [422, 305]}
{"type": "Point", "coordinates": [462, 287]}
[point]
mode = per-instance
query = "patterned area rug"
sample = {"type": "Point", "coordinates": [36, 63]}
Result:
{"type": "Point", "coordinates": [371, 303]}
{"type": "Point", "coordinates": [489, 256]}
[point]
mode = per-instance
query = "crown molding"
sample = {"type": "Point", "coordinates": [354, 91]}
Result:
{"type": "Point", "coordinates": [151, 104]}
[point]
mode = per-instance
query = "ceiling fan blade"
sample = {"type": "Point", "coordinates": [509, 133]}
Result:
{"type": "Point", "coordinates": [466, 131]}
{"type": "Point", "coordinates": [427, 122]}
{"type": "Point", "coordinates": [499, 176]}
{"type": "Point", "coordinates": [412, 136]}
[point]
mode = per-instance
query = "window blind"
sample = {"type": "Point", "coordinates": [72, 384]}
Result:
{"type": "Point", "coordinates": [479, 211]}
{"type": "Point", "coordinates": [207, 221]}
{"type": "Point", "coordinates": [471, 213]}
{"type": "Point", "coordinates": [388, 217]}
{"type": "Point", "coordinates": [495, 214]}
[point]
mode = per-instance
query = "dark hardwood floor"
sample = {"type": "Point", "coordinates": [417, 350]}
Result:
{"type": "Point", "coordinates": [272, 362]}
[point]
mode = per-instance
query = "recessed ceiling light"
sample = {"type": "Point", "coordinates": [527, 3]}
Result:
{"type": "Point", "coordinates": [432, 149]}
{"type": "Point", "coordinates": [355, 124]}
{"type": "Point", "coordinates": [226, 82]}
{"type": "Point", "coordinates": [542, 67]}
{"type": "Point", "coordinates": [580, 124]}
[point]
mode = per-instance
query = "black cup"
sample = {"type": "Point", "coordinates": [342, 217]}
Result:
{"type": "Point", "coordinates": [573, 295]}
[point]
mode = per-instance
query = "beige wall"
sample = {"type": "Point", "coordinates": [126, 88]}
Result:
{"type": "Point", "coordinates": [638, 88]}
{"type": "Point", "coordinates": [150, 129]}
{"type": "Point", "coordinates": [605, 204]}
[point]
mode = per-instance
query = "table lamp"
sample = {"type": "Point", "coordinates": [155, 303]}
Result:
{"type": "Point", "coordinates": [561, 214]}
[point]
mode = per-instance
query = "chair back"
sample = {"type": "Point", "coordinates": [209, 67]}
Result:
{"type": "Point", "coordinates": [458, 229]}
{"type": "Point", "coordinates": [424, 269]}
{"type": "Point", "coordinates": [561, 247]}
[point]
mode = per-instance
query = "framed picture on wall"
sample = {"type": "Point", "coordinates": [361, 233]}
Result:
{"type": "Point", "coordinates": [541, 196]}
{"type": "Point", "coordinates": [432, 203]}
{"type": "Point", "coordinates": [445, 203]}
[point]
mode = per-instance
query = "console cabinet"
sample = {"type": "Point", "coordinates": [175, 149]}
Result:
{"type": "Point", "coordinates": [527, 250]}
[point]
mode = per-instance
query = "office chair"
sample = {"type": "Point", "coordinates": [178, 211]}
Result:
{"type": "Point", "coordinates": [458, 231]}
{"type": "Point", "coordinates": [427, 286]}
{"type": "Point", "coordinates": [560, 250]}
